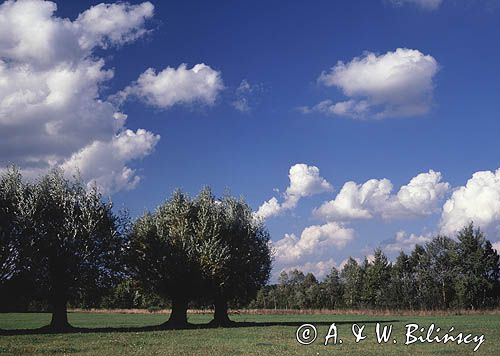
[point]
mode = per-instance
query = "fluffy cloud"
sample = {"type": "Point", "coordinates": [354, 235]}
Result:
{"type": "Point", "coordinates": [176, 86]}
{"type": "Point", "coordinates": [419, 197]}
{"type": "Point", "coordinates": [30, 33]}
{"type": "Point", "coordinates": [424, 4]}
{"type": "Point", "coordinates": [395, 84]}
{"type": "Point", "coordinates": [406, 242]}
{"type": "Point", "coordinates": [304, 181]}
{"type": "Point", "coordinates": [314, 242]}
{"type": "Point", "coordinates": [113, 24]}
{"type": "Point", "coordinates": [105, 162]}
{"type": "Point", "coordinates": [477, 201]}
{"type": "Point", "coordinates": [51, 112]}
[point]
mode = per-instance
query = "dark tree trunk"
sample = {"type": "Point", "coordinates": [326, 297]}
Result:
{"type": "Point", "coordinates": [59, 320]}
{"type": "Point", "coordinates": [178, 315]}
{"type": "Point", "coordinates": [58, 296]}
{"type": "Point", "coordinates": [221, 317]}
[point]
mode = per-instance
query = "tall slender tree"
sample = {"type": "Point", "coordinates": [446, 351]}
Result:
{"type": "Point", "coordinates": [332, 289]}
{"type": "Point", "coordinates": [352, 279]}
{"type": "Point", "coordinates": [477, 276]}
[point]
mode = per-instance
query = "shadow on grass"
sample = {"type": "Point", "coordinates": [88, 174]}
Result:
{"type": "Point", "coordinates": [75, 330]}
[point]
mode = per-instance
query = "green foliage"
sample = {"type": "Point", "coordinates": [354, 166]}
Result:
{"type": "Point", "coordinates": [65, 242]}
{"type": "Point", "coordinates": [201, 249]}
{"type": "Point", "coordinates": [443, 274]}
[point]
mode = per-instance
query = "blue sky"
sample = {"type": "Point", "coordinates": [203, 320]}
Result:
{"type": "Point", "coordinates": [418, 92]}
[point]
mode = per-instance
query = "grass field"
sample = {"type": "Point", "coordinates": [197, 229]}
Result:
{"type": "Point", "coordinates": [270, 335]}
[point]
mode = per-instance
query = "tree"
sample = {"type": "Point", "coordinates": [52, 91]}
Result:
{"type": "Point", "coordinates": [332, 289]}
{"type": "Point", "coordinates": [311, 290]}
{"type": "Point", "coordinates": [244, 258]}
{"type": "Point", "coordinates": [283, 290]}
{"type": "Point", "coordinates": [16, 282]}
{"type": "Point", "coordinates": [441, 255]}
{"type": "Point", "coordinates": [377, 277]}
{"type": "Point", "coordinates": [425, 298]}
{"type": "Point", "coordinates": [202, 249]}
{"type": "Point", "coordinates": [352, 280]}
{"type": "Point", "coordinates": [163, 255]}
{"type": "Point", "coordinates": [76, 241]}
{"type": "Point", "coordinates": [477, 269]}
{"type": "Point", "coordinates": [402, 284]}
{"type": "Point", "coordinates": [11, 195]}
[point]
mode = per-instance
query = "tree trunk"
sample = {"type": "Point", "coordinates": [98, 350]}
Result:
{"type": "Point", "coordinates": [221, 317]}
{"type": "Point", "coordinates": [59, 320]}
{"type": "Point", "coordinates": [58, 296]}
{"type": "Point", "coordinates": [178, 315]}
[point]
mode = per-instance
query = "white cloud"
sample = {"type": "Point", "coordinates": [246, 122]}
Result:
{"type": "Point", "coordinates": [105, 162]}
{"type": "Point", "coordinates": [30, 33]}
{"type": "Point", "coordinates": [113, 24]}
{"type": "Point", "coordinates": [406, 242]}
{"type": "Point", "coordinates": [314, 242]}
{"type": "Point", "coordinates": [424, 4]}
{"type": "Point", "coordinates": [395, 84]}
{"type": "Point", "coordinates": [200, 84]}
{"type": "Point", "coordinates": [51, 112]}
{"type": "Point", "coordinates": [478, 201]}
{"type": "Point", "coordinates": [304, 181]}
{"type": "Point", "coordinates": [420, 197]}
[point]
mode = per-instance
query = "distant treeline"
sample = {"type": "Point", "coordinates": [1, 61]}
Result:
{"type": "Point", "coordinates": [443, 274]}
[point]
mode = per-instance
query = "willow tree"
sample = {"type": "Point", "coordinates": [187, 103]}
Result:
{"type": "Point", "coordinates": [15, 286]}
{"type": "Point", "coordinates": [246, 263]}
{"type": "Point", "coordinates": [164, 257]}
{"type": "Point", "coordinates": [75, 238]}
{"type": "Point", "coordinates": [201, 249]}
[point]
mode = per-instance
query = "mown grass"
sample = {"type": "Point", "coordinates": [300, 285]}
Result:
{"type": "Point", "coordinates": [272, 335]}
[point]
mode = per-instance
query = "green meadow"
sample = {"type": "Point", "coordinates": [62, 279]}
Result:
{"type": "Point", "coordinates": [135, 334]}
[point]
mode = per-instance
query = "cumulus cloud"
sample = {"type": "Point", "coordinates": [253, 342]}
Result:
{"type": "Point", "coordinates": [420, 197]}
{"type": "Point", "coordinates": [113, 24]}
{"type": "Point", "coordinates": [51, 112]}
{"type": "Point", "coordinates": [314, 242]}
{"type": "Point", "coordinates": [406, 242]}
{"type": "Point", "coordinates": [30, 33]}
{"type": "Point", "coordinates": [104, 162]}
{"type": "Point", "coordinates": [200, 84]}
{"type": "Point", "coordinates": [304, 181]}
{"type": "Point", "coordinates": [424, 4]}
{"type": "Point", "coordinates": [395, 84]}
{"type": "Point", "coordinates": [478, 201]}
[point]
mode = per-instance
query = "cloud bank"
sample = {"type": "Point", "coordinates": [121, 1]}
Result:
{"type": "Point", "coordinates": [374, 198]}
{"type": "Point", "coordinates": [51, 111]}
